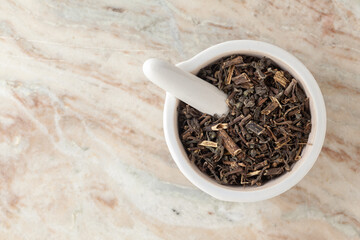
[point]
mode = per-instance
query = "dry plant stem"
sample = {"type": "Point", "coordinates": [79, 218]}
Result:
{"type": "Point", "coordinates": [229, 143]}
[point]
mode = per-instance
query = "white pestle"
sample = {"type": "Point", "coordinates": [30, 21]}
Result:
{"type": "Point", "coordinates": [187, 87]}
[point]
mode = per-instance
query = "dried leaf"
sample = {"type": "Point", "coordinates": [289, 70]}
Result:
{"type": "Point", "coordinates": [240, 79]}
{"type": "Point", "coordinates": [273, 171]}
{"type": "Point", "coordinates": [255, 128]}
{"type": "Point", "coordinates": [246, 85]}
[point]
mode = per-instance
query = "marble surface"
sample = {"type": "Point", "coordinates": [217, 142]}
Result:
{"type": "Point", "coordinates": [82, 151]}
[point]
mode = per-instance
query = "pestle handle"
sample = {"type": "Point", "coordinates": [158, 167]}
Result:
{"type": "Point", "coordinates": [187, 87]}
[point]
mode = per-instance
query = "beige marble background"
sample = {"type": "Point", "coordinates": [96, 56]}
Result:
{"type": "Point", "coordinates": [82, 152]}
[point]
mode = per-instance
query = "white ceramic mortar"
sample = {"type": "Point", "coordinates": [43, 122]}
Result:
{"type": "Point", "coordinates": [309, 154]}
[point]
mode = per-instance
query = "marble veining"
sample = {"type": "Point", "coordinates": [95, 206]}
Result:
{"type": "Point", "coordinates": [82, 151]}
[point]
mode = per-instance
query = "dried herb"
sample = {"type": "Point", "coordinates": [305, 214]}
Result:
{"type": "Point", "coordinates": [263, 134]}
